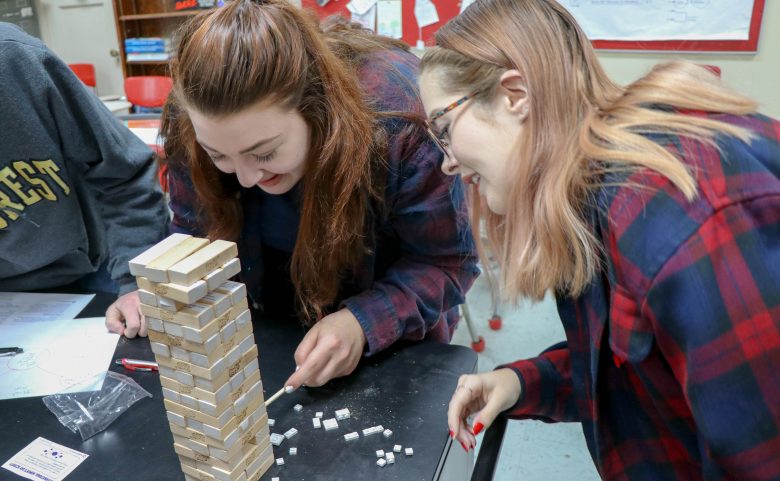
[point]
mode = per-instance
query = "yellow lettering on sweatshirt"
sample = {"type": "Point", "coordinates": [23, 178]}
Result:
{"type": "Point", "coordinates": [8, 177]}
{"type": "Point", "coordinates": [50, 168]}
{"type": "Point", "coordinates": [27, 172]}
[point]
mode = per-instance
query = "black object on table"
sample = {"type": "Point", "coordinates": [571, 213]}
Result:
{"type": "Point", "coordinates": [405, 389]}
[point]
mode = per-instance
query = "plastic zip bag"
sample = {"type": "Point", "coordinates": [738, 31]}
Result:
{"type": "Point", "coordinates": [90, 412]}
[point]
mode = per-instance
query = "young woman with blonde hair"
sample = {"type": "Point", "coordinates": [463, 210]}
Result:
{"type": "Point", "coordinates": [299, 141]}
{"type": "Point", "coordinates": [652, 211]}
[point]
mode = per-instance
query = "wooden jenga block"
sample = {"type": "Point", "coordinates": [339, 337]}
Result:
{"type": "Point", "coordinates": [193, 315]}
{"type": "Point", "coordinates": [260, 465]}
{"type": "Point", "coordinates": [217, 277]}
{"type": "Point", "coordinates": [157, 269]}
{"type": "Point", "coordinates": [236, 291]}
{"type": "Point", "coordinates": [219, 301]}
{"type": "Point", "coordinates": [202, 262]}
{"type": "Point", "coordinates": [139, 262]}
{"type": "Point", "coordinates": [184, 293]}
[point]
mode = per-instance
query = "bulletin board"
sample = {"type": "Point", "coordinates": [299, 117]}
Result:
{"type": "Point", "coordinates": [446, 9]}
{"type": "Point", "coordinates": [679, 18]}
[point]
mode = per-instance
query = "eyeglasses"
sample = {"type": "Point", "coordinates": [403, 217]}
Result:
{"type": "Point", "coordinates": [440, 142]}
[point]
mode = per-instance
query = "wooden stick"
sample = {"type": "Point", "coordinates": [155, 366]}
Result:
{"type": "Point", "coordinates": [274, 397]}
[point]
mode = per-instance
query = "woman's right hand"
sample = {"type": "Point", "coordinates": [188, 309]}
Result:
{"type": "Point", "coordinates": [487, 394]}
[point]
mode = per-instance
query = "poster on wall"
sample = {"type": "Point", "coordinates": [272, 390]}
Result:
{"type": "Point", "coordinates": [663, 19]}
{"type": "Point", "coordinates": [711, 25]}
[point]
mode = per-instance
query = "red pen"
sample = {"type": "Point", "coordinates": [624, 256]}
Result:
{"type": "Point", "coordinates": [137, 364]}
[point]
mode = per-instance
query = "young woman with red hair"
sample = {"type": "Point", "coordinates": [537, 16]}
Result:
{"type": "Point", "coordinates": [306, 145]}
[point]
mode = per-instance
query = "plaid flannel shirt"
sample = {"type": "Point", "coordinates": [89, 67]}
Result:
{"type": "Point", "coordinates": [672, 360]}
{"type": "Point", "coordinates": [423, 258]}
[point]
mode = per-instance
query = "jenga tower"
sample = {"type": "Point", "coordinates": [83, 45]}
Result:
{"type": "Point", "coordinates": [200, 330]}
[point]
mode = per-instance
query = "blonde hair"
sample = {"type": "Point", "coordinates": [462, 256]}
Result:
{"type": "Point", "coordinates": [581, 125]}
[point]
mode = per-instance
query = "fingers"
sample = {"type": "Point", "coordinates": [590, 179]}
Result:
{"type": "Point", "coordinates": [307, 345]}
{"type": "Point", "coordinates": [460, 407]}
{"type": "Point", "coordinates": [313, 369]}
{"type": "Point", "coordinates": [114, 320]}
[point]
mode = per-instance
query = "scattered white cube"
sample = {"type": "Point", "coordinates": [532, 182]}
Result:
{"type": "Point", "coordinates": [279, 461]}
{"type": "Point", "coordinates": [319, 414]}
{"type": "Point", "coordinates": [290, 433]}
{"type": "Point", "coordinates": [409, 451]}
{"type": "Point", "coordinates": [387, 433]}
{"type": "Point", "coordinates": [276, 439]}
{"type": "Point", "coordinates": [316, 423]}
{"type": "Point", "coordinates": [351, 436]}
{"type": "Point", "coordinates": [293, 451]}
{"type": "Point", "coordinates": [373, 430]}
{"type": "Point", "coordinates": [380, 453]}
{"type": "Point", "coordinates": [297, 408]}
{"type": "Point", "coordinates": [342, 414]}
{"type": "Point", "coordinates": [271, 422]}
{"type": "Point", "coordinates": [275, 478]}
{"type": "Point", "coordinates": [390, 457]}
{"type": "Point", "coordinates": [330, 424]}
{"type": "Point", "coordinates": [397, 448]}
{"type": "Point", "coordinates": [381, 462]}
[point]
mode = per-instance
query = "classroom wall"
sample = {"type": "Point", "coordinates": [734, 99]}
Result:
{"type": "Point", "coordinates": [757, 76]}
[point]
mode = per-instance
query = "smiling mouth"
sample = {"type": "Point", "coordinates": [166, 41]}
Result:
{"type": "Point", "coordinates": [271, 180]}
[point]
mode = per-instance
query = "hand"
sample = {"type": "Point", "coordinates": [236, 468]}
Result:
{"type": "Point", "coordinates": [487, 393]}
{"type": "Point", "coordinates": [124, 316]}
{"type": "Point", "coordinates": [332, 348]}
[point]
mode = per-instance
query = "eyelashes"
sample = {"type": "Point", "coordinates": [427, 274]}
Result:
{"type": "Point", "coordinates": [265, 158]}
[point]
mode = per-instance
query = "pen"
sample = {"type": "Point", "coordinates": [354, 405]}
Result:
{"type": "Point", "coordinates": [10, 351]}
{"type": "Point", "coordinates": [137, 364]}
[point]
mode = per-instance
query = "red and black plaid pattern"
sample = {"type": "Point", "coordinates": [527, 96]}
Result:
{"type": "Point", "coordinates": [672, 360]}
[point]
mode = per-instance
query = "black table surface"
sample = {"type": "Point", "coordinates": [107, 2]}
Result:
{"type": "Point", "coordinates": [405, 389]}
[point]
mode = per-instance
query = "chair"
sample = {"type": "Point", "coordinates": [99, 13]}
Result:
{"type": "Point", "coordinates": [85, 72]}
{"type": "Point", "coordinates": [148, 91]}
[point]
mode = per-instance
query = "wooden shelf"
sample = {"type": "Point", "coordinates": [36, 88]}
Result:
{"type": "Point", "coordinates": [151, 16]}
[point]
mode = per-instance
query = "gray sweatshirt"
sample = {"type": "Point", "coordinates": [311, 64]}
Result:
{"type": "Point", "coordinates": [76, 187]}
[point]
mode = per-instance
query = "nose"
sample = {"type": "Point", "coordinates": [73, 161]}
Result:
{"type": "Point", "coordinates": [450, 165]}
{"type": "Point", "coordinates": [248, 175]}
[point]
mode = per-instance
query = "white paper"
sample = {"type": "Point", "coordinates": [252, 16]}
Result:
{"type": "Point", "coordinates": [389, 21]}
{"type": "Point", "coordinates": [368, 19]}
{"type": "Point", "coordinates": [149, 135]}
{"type": "Point", "coordinates": [57, 355]}
{"type": "Point", "coordinates": [634, 20]}
{"type": "Point", "coordinates": [29, 307]}
{"type": "Point", "coordinates": [360, 7]}
{"type": "Point", "coordinates": [45, 460]}
{"type": "Point", "coordinates": [464, 4]}
{"type": "Point", "coordinates": [425, 13]}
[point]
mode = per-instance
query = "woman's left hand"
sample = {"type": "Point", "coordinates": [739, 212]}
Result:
{"type": "Point", "coordinates": [332, 348]}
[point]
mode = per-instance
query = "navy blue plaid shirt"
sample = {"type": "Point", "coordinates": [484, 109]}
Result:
{"type": "Point", "coordinates": [423, 259]}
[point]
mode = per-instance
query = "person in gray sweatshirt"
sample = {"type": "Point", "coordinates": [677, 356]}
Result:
{"type": "Point", "coordinates": [78, 191]}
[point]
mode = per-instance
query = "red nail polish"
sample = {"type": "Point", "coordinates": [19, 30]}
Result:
{"type": "Point", "coordinates": [464, 446]}
{"type": "Point", "coordinates": [478, 428]}
{"type": "Point", "coordinates": [452, 434]}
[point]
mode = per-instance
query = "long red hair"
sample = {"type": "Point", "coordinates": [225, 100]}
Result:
{"type": "Point", "coordinates": [248, 51]}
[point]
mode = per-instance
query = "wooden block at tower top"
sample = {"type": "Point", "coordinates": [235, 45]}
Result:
{"type": "Point", "coordinates": [202, 262]}
{"type": "Point", "coordinates": [139, 262]}
{"type": "Point", "coordinates": [157, 269]}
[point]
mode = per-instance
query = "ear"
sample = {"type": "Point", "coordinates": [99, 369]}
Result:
{"type": "Point", "coordinates": [514, 93]}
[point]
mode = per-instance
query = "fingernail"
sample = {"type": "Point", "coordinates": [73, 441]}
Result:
{"type": "Point", "coordinates": [478, 428]}
{"type": "Point", "coordinates": [464, 446]}
{"type": "Point", "coordinates": [452, 435]}
{"type": "Point", "coordinates": [289, 389]}
{"type": "Point", "coordinates": [297, 367]}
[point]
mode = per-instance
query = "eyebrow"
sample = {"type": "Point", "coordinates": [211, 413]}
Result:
{"type": "Point", "coordinates": [249, 149]}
